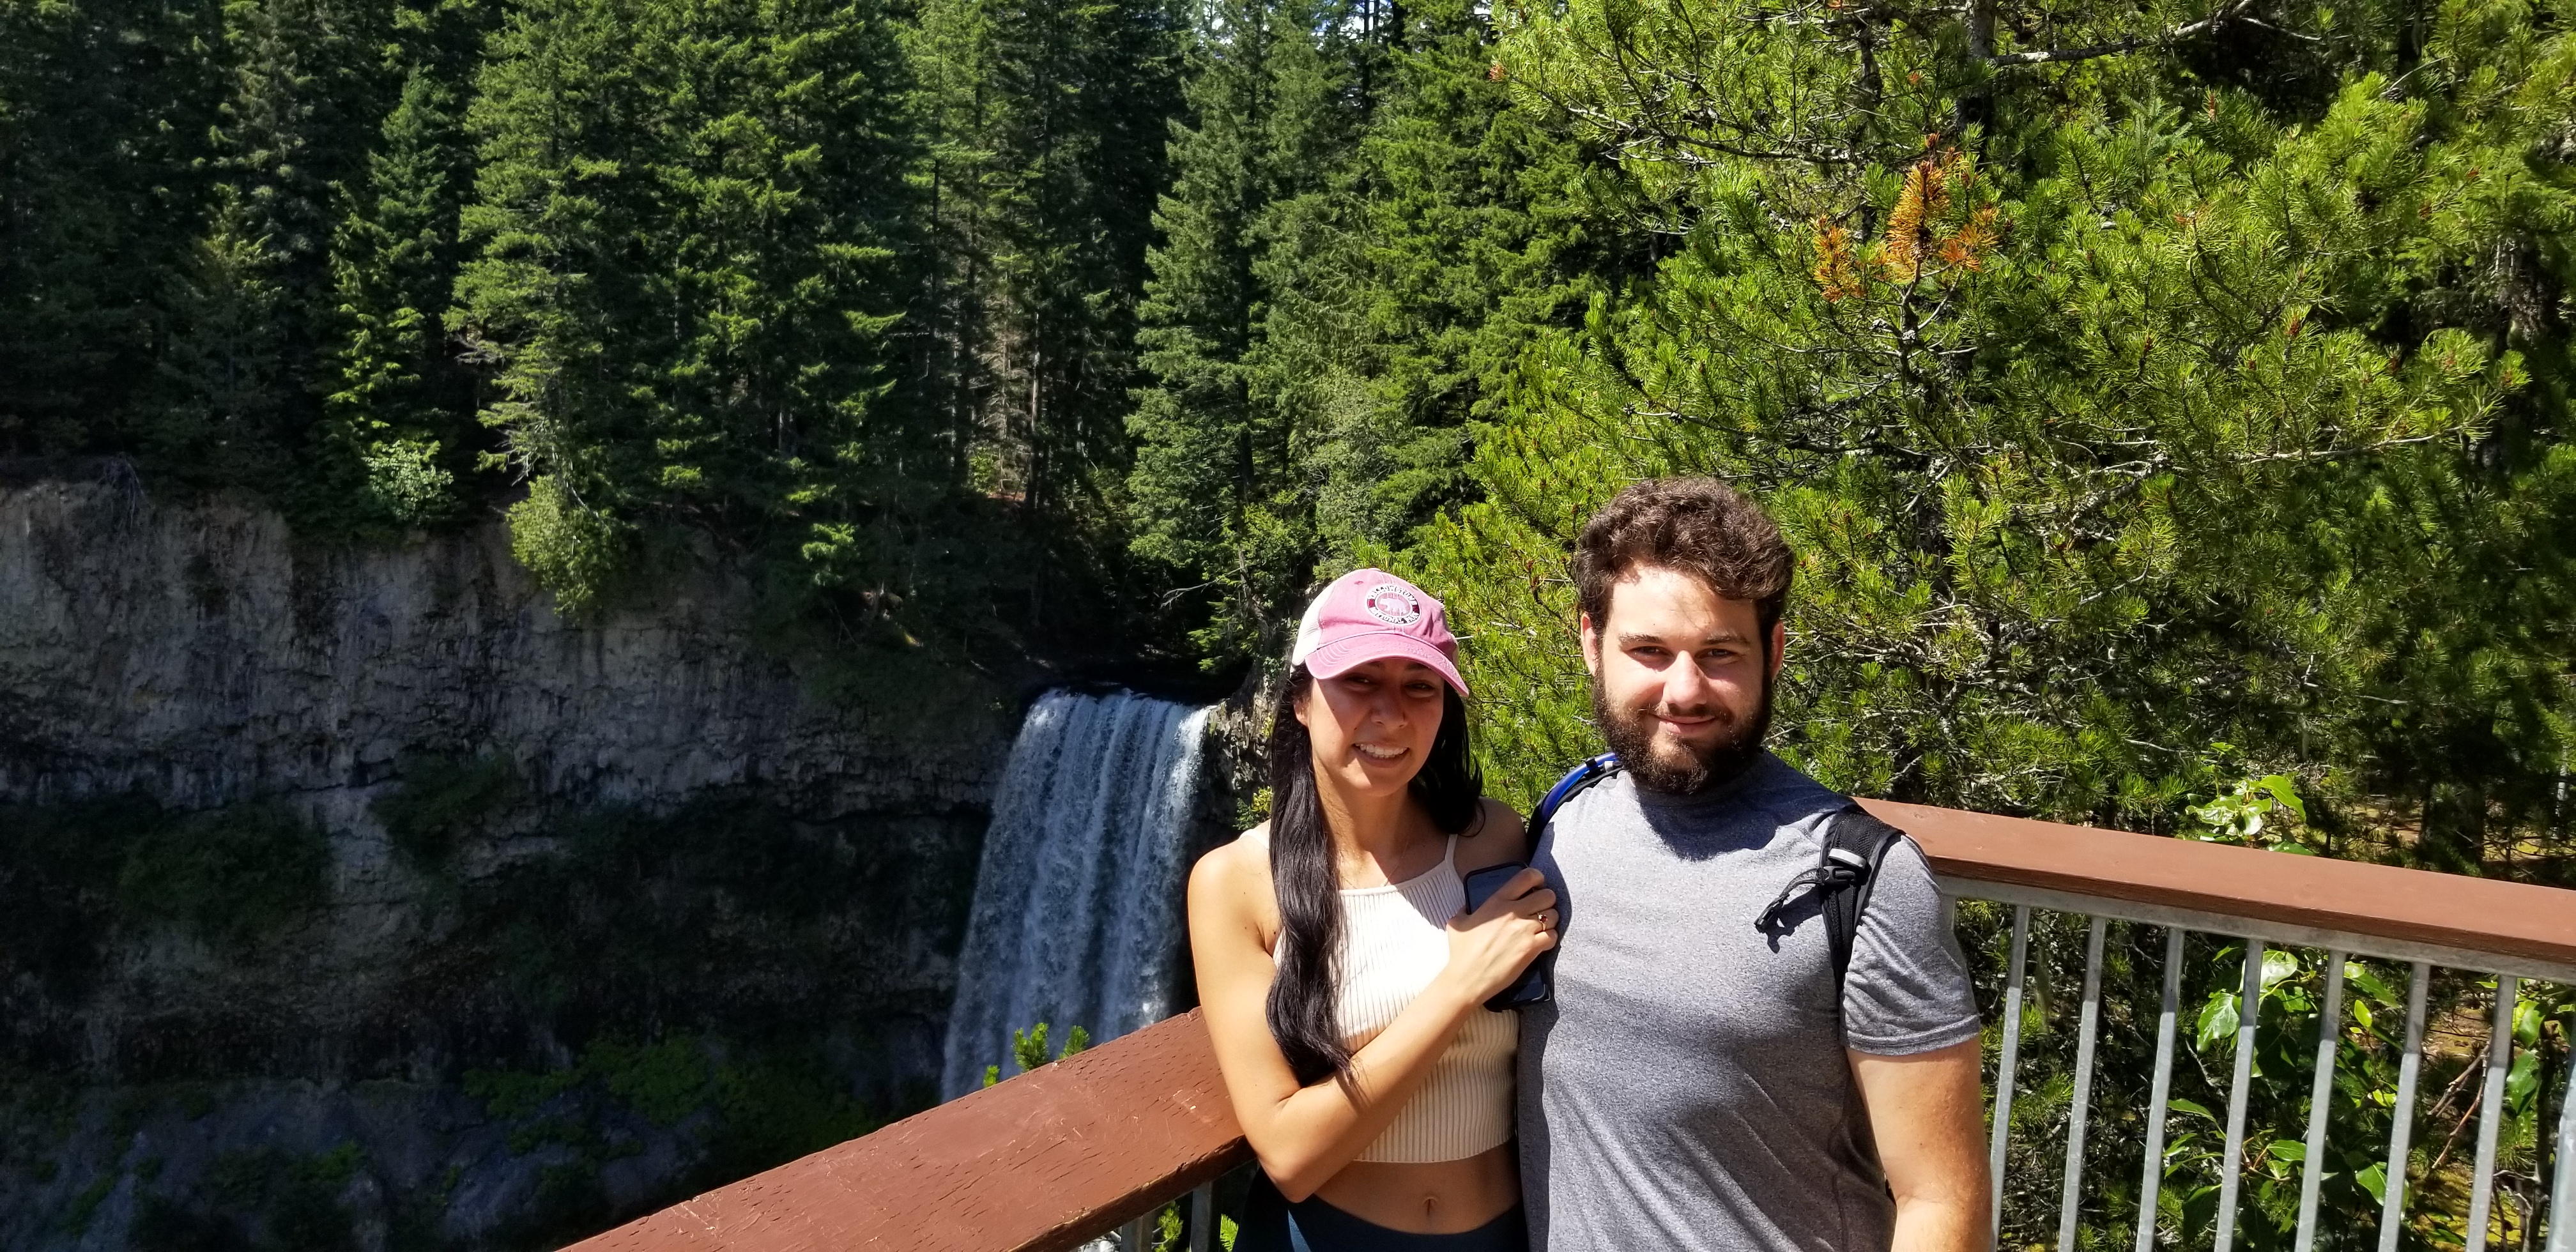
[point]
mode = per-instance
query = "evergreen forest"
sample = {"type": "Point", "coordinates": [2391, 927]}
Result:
{"type": "Point", "coordinates": [2172, 403]}
{"type": "Point", "coordinates": [2159, 396]}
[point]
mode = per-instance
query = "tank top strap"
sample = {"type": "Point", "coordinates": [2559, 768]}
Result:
{"type": "Point", "coordinates": [1449, 857]}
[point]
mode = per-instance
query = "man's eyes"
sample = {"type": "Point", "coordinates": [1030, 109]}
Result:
{"type": "Point", "coordinates": [1654, 654]}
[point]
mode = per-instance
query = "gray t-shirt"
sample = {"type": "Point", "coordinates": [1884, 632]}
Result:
{"type": "Point", "coordinates": [1687, 1088]}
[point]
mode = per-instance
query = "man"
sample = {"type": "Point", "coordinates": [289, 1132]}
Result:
{"type": "Point", "coordinates": [1695, 1083]}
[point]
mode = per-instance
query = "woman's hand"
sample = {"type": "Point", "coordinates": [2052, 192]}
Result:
{"type": "Point", "coordinates": [1490, 947]}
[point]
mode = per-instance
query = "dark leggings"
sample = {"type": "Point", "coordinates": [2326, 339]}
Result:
{"type": "Point", "coordinates": [1272, 1224]}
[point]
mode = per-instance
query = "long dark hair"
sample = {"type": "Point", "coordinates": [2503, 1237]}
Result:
{"type": "Point", "coordinates": [1308, 883]}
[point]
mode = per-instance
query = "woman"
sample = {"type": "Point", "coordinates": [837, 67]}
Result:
{"type": "Point", "coordinates": [1342, 982]}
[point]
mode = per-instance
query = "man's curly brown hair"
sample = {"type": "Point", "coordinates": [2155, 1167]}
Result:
{"type": "Point", "coordinates": [1699, 526]}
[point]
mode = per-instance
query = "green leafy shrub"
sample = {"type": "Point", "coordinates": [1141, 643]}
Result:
{"type": "Point", "coordinates": [1029, 1049]}
{"type": "Point", "coordinates": [664, 1081]}
{"type": "Point", "coordinates": [512, 1095]}
{"type": "Point", "coordinates": [85, 1205]}
{"type": "Point", "coordinates": [440, 800]}
{"type": "Point", "coordinates": [778, 1108]}
{"type": "Point", "coordinates": [231, 876]}
{"type": "Point", "coordinates": [576, 552]}
{"type": "Point", "coordinates": [2263, 812]}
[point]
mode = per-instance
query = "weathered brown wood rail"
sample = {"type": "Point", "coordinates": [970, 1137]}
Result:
{"type": "Point", "coordinates": [2521, 923]}
{"type": "Point", "coordinates": [1043, 1161]}
{"type": "Point", "coordinates": [1051, 1158]}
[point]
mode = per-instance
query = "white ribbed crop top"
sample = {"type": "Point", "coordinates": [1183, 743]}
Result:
{"type": "Point", "coordinates": [1395, 940]}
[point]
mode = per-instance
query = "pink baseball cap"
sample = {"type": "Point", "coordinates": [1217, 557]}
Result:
{"type": "Point", "coordinates": [1368, 614]}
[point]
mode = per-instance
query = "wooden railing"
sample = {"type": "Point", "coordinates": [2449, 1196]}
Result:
{"type": "Point", "coordinates": [1043, 1161]}
{"type": "Point", "coordinates": [1070, 1152]}
{"type": "Point", "coordinates": [2510, 930]}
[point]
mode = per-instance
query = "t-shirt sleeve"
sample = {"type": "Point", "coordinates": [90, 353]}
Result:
{"type": "Point", "coordinates": [1907, 990]}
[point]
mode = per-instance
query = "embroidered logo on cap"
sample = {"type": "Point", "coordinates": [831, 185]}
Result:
{"type": "Point", "coordinates": [1394, 605]}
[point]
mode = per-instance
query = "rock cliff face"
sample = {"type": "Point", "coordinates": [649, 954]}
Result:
{"type": "Point", "coordinates": [206, 656]}
{"type": "Point", "coordinates": [590, 907]}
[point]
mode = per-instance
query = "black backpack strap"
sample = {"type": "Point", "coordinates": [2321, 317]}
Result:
{"type": "Point", "coordinates": [1568, 787]}
{"type": "Point", "coordinates": [1854, 844]}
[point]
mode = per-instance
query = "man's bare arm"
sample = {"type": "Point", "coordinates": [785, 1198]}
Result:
{"type": "Point", "coordinates": [1928, 1115]}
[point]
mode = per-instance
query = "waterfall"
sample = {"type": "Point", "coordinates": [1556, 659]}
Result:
{"type": "Point", "coordinates": [1077, 912]}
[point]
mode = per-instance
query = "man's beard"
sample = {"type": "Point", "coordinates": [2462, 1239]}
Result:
{"type": "Point", "coordinates": [1631, 733]}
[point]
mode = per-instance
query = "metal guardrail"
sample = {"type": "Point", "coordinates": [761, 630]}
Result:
{"type": "Point", "coordinates": [2331, 1022]}
{"type": "Point", "coordinates": [1097, 1144]}
{"type": "Point", "coordinates": [2514, 932]}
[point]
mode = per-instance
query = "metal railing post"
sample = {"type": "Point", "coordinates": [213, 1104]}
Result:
{"type": "Point", "coordinates": [2321, 1100]}
{"type": "Point", "coordinates": [2392, 1206]}
{"type": "Point", "coordinates": [2491, 1111]}
{"type": "Point", "coordinates": [2152, 1183]}
{"type": "Point", "coordinates": [2070, 1199]}
{"type": "Point", "coordinates": [1203, 1217]}
{"type": "Point", "coordinates": [2001, 1132]}
{"type": "Point", "coordinates": [2562, 1192]}
{"type": "Point", "coordinates": [2249, 1012]}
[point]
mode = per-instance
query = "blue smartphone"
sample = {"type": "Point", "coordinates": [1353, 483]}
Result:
{"type": "Point", "coordinates": [1536, 983]}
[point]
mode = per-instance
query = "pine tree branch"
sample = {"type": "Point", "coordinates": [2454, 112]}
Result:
{"type": "Point", "coordinates": [2302, 37]}
{"type": "Point", "coordinates": [2131, 44]}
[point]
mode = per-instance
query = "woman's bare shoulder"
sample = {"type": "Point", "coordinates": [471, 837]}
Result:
{"type": "Point", "coordinates": [1238, 864]}
{"type": "Point", "coordinates": [1234, 877]}
{"type": "Point", "coordinates": [1253, 843]}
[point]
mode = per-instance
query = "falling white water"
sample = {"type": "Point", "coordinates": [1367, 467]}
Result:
{"type": "Point", "coordinates": [1077, 907]}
